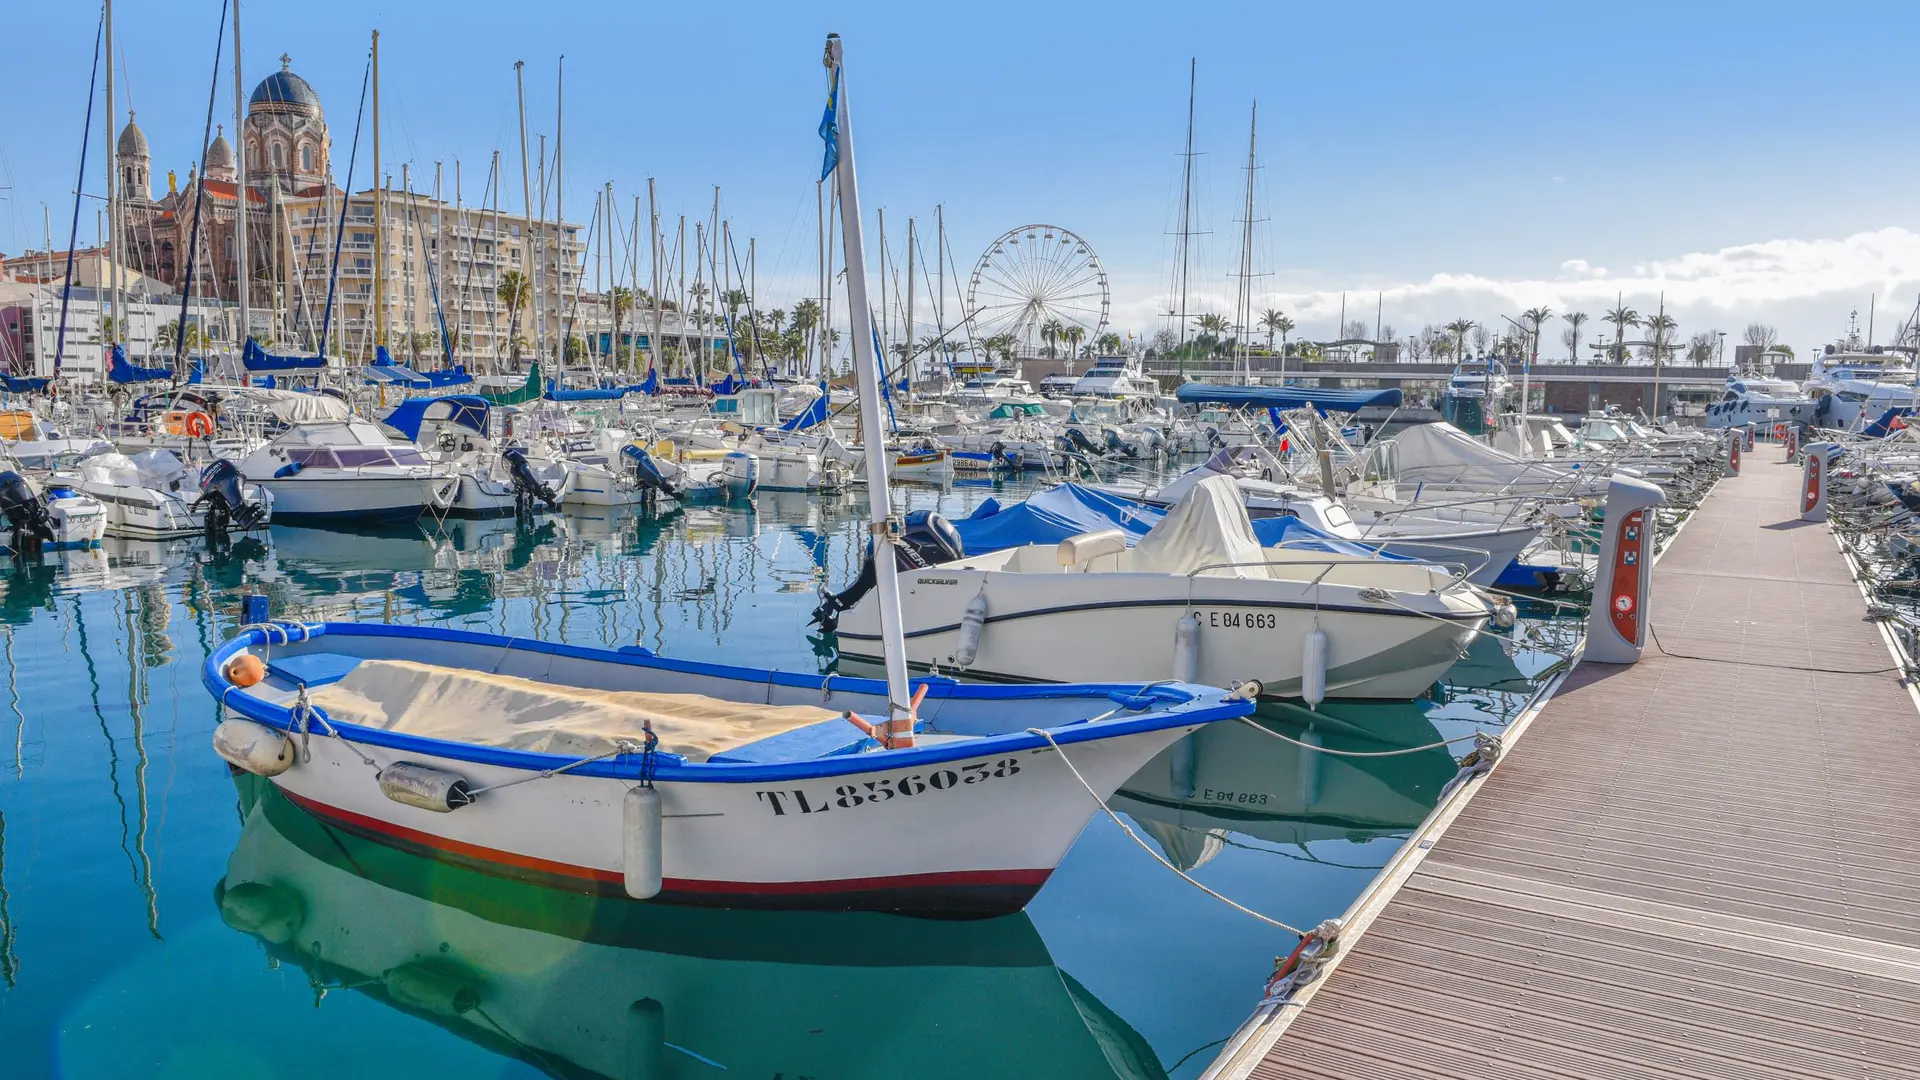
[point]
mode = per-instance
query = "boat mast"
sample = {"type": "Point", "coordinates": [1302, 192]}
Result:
{"type": "Point", "coordinates": [1243, 313]}
{"type": "Point", "coordinates": [244, 265]}
{"type": "Point", "coordinates": [113, 185]}
{"type": "Point", "coordinates": [526, 191]}
{"type": "Point", "coordinates": [940, 291]}
{"type": "Point", "coordinates": [379, 216]}
{"type": "Point", "coordinates": [908, 326]}
{"type": "Point", "coordinates": [1186, 207]}
{"type": "Point", "coordinates": [886, 317]}
{"type": "Point", "coordinates": [883, 528]}
{"type": "Point", "coordinates": [659, 312]}
{"type": "Point", "coordinates": [561, 257]}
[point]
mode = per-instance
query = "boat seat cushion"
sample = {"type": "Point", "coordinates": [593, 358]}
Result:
{"type": "Point", "coordinates": [313, 669]}
{"type": "Point", "coordinates": [463, 705]}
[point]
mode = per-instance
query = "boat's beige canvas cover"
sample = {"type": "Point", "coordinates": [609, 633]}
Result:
{"type": "Point", "coordinates": [1208, 527]}
{"type": "Point", "coordinates": [461, 705]}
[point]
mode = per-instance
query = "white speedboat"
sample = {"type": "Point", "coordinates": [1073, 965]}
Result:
{"type": "Point", "coordinates": [767, 795]}
{"type": "Point", "coordinates": [49, 516]}
{"type": "Point", "coordinates": [348, 470]}
{"type": "Point", "coordinates": [147, 496]}
{"type": "Point", "coordinates": [1852, 385]}
{"type": "Point", "coordinates": [1093, 608]}
{"type": "Point", "coordinates": [494, 480]}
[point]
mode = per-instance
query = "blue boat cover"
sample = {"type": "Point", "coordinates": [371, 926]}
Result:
{"type": "Point", "coordinates": [122, 370]}
{"type": "Point", "coordinates": [1051, 516]}
{"type": "Point", "coordinates": [1285, 397]}
{"type": "Point", "coordinates": [454, 376]}
{"type": "Point", "coordinates": [813, 415]}
{"type": "Point", "coordinates": [30, 384]}
{"type": "Point", "coordinates": [728, 385]}
{"type": "Point", "coordinates": [651, 385]}
{"type": "Point", "coordinates": [255, 358]}
{"type": "Point", "coordinates": [1884, 426]}
{"type": "Point", "coordinates": [468, 410]}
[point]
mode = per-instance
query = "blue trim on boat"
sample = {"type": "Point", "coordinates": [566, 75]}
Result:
{"type": "Point", "coordinates": [1187, 701]}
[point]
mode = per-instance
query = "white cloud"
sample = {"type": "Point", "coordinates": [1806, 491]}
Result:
{"type": "Point", "coordinates": [1804, 287]}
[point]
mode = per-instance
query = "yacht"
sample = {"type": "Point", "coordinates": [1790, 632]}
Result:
{"type": "Point", "coordinates": [1853, 384]}
{"type": "Point", "coordinates": [1116, 376]}
{"type": "Point", "coordinates": [1478, 391]}
{"type": "Point", "coordinates": [1753, 398]}
{"type": "Point", "coordinates": [348, 470]}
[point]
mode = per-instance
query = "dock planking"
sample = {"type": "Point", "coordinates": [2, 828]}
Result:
{"type": "Point", "coordinates": [1706, 864]}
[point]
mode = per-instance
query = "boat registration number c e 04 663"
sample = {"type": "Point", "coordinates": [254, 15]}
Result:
{"type": "Point", "coordinates": [886, 789]}
{"type": "Point", "coordinates": [1243, 620]}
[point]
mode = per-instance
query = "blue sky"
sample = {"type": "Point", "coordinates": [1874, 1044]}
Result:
{"type": "Point", "coordinates": [1463, 159]}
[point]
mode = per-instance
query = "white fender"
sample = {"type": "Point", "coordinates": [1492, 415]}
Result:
{"type": "Point", "coordinates": [1186, 648]}
{"type": "Point", "coordinates": [641, 828]}
{"type": "Point", "coordinates": [1313, 667]}
{"type": "Point", "coordinates": [972, 624]}
{"type": "Point", "coordinates": [255, 748]}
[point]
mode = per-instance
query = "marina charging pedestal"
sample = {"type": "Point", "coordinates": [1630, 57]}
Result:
{"type": "Point", "coordinates": [1813, 485]}
{"type": "Point", "coordinates": [1749, 446]}
{"type": "Point", "coordinates": [1623, 580]}
{"type": "Point", "coordinates": [1735, 441]}
{"type": "Point", "coordinates": [1793, 442]}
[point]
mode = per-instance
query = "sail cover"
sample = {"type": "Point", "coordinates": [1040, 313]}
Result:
{"type": "Point", "coordinates": [1286, 397]}
{"type": "Point", "coordinates": [255, 358]}
{"type": "Point", "coordinates": [122, 370]}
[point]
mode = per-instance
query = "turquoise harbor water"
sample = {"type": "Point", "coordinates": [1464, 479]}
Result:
{"type": "Point", "coordinates": [159, 917]}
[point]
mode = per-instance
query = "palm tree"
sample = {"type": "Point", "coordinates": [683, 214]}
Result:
{"type": "Point", "coordinates": [1073, 336]}
{"type": "Point", "coordinates": [1270, 321]}
{"type": "Point", "coordinates": [620, 301]}
{"type": "Point", "coordinates": [1621, 317]}
{"type": "Point", "coordinates": [1459, 328]}
{"type": "Point", "coordinates": [1536, 316]}
{"type": "Point", "coordinates": [1574, 320]}
{"type": "Point", "coordinates": [1050, 332]}
{"type": "Point", "coordinates": [515, 291]}
{"type": "Point", "coordinates": [733, 300]}
{"type": "Point", "coordinates": [1660, 327]}
{"type": "Point", "coordinates": [1108, 344]}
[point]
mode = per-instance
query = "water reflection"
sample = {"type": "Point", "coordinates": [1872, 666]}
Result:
{"type": "Point", "coordinates": [574, 985]}
{"type": "Point", "coordinates": [1236, 780]}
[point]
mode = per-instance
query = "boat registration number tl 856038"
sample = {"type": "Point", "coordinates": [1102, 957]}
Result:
{"type": "Point", "coordinates": [886, 789]}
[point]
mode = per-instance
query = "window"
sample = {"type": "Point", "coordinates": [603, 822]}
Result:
{"type": "Point", "coordinates": [360, 457]}
{"type": "Point", "coordinates": [277, 162]}
{"type": "Point", "coordinates": [306, 159]}
{"type": "Point", "coordinates": [312, 459]}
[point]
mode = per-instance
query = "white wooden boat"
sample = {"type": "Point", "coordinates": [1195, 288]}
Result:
{"type": "Point", "coordinates": [768, 796]}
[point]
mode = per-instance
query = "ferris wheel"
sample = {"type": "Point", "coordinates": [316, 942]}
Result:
{"type": "Point", "coordinates": [1034, 276]}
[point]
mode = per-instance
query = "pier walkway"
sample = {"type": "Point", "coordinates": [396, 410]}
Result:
{"type": "Point", "coordinates": [1703, 865]}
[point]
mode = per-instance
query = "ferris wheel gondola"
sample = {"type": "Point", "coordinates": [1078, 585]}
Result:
{"type": "Point", "coordinates": [1037, 282]}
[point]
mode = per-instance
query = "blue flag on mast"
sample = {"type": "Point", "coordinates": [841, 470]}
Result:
{"type": "Point", "coordinates": [830, 128]}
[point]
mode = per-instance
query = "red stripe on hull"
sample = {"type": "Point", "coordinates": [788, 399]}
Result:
{"type": "Point", "coordinates": [965, 892]}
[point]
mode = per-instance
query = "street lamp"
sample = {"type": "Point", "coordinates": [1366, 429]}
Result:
{"type": "Point", "coordinates": [1721, 355]}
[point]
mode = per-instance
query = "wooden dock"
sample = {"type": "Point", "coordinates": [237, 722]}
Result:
{"type": "Point", "coordinates": [1706, 864]}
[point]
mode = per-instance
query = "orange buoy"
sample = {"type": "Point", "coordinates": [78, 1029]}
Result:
{"type": "Point", "coordinates": [199, 425]}
{"type": "Point", "coordinates": [245, 670]}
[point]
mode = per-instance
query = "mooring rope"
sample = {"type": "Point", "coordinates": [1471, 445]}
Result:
{"type": "Point", "coordinates": [1144, 846]}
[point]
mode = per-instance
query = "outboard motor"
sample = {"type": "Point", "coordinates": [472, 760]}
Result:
{"type": "Point", "coordinates": [1077, 440]}
{"type": "Point", "coordinates": [1117, 445]}
{"type": "Point", "coordinates": [526, 486]}
{"type": "Point", "coordinates": [227, 507]}
{"type": "Point", "coordinates": [645, 471]}
{"type": "Point", "coordinates": [26, 513]}
{"type": "Point", "coordinates": [926, 539]}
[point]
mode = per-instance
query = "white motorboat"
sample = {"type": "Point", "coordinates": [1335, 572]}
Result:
{"type": "Point", "coordinates": [147, 496]}
{"type": "Point", "coordinates": [348, 470]}
{"type": "Point", "coordinates": [1116, 376]}
{"type": "Point", "coordinates": [49, 516]}
{"type": "Point", "coordinates": [1477, 392]}
{"type": "Point", "coordinates": [1852, 385]}
{"type": "Point", "coordinates": [494, 480]}
{"type": "Point", "coordinates": [1298, 620]}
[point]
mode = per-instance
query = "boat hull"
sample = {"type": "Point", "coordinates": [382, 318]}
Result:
{"type": "Point", "coordinates": [357, 498]}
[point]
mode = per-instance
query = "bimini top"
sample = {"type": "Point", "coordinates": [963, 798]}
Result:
{"type": "Point", "coordinates": [1286, 397]}
{"type": "Point", "coordinates": [467, 410]}
{"type": "Point", "coordinates": [1050, 516]}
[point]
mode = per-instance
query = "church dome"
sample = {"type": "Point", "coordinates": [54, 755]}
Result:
{"type": "Point", "coordinates": [219, 154]}
{"type": "Point", "coordinates": [284, 88]}
{"type": "Point", "coordinates": [133, 141]}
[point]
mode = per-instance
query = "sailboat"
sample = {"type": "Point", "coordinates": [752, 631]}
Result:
{"type": "Point", "coordinates": [618, 771]}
